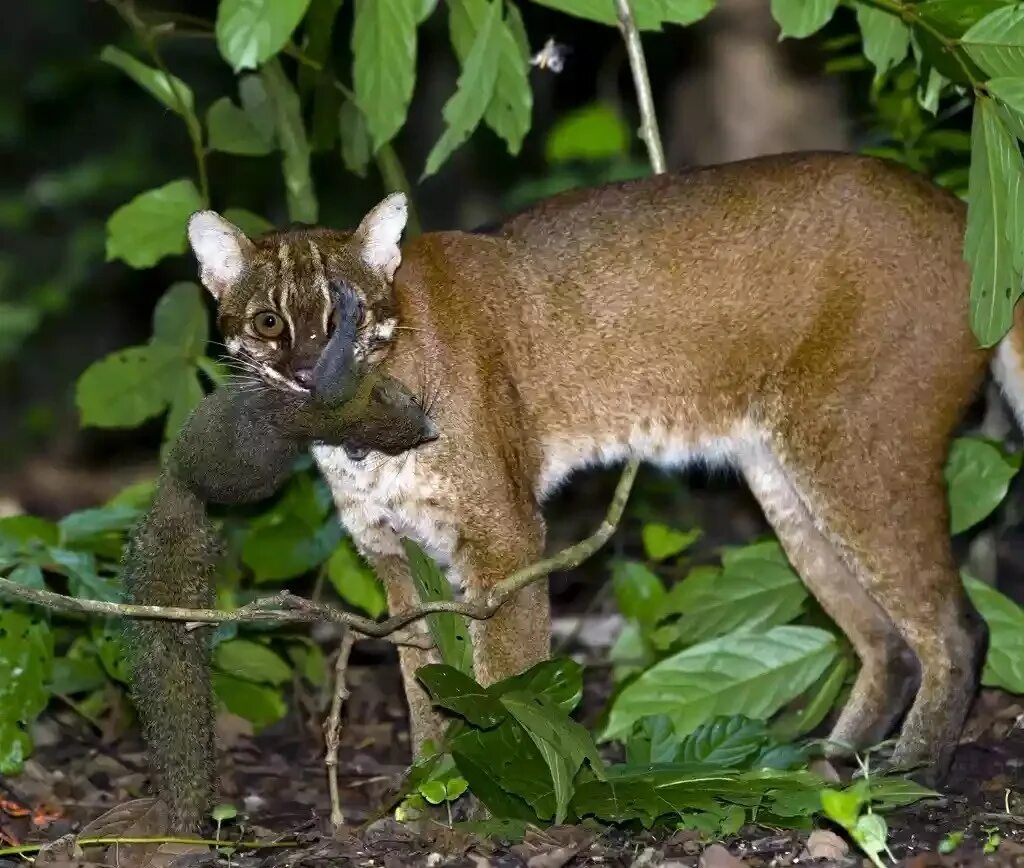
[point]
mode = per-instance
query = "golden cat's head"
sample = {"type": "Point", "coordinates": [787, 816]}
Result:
{"type": "Point", "coordinates": [275, 293]}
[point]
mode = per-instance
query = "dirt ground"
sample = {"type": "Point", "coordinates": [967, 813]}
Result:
{"type": "Point", "coordinates": [278, 783]}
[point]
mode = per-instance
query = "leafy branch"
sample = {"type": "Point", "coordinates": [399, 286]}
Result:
{"type": "Point", "coordinates": [392, 172]}
{"type": "Point", "coordinates": [183, 106]}
{"type": "Point", "coordinates": [288, 608]}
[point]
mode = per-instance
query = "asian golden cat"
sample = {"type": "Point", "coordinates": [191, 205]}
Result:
{"type": "Point", "coordinates": [802, 318]}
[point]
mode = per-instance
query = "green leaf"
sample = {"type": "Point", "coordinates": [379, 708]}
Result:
{"type": "Point", "coordinates": [291, 136]}
{"type": "Point", "coordinates": [26, 659]}
{"type": "Point", "coordinates": [653, 740]}
{"type": "Point", "coordinates": [152, 225]}
{"type": "Point", "coordinates": [308, 660]}
{"type": "Point", "coordinates": [477, 767]}
{"type": "Point", "coordinates": [289, 548]}
{"type": "Point", "coordinates": [886, 37]}
{"type": "Point", "coordinates": [560, 680]}
{"type": "Point", "coordinates": [251, 224]}
{"type": "Point", "coordinates": [843, 806]}
{"type": "Point", "coordinates": [801, 18]}
{"type": "Point", "coordinates": [639, 593]}
{"type": "Point", "coordinates": [185, 395]}
{"type": "Point", "coordinates": [562, 742]}
{"type": "Point", "coordinates": [384, 64]}
{"type": "Point", "coordinates": [474, 89]}
{"type": "Point", "coordinates": [996, 42]}
{"type": "Point", "coordinates": [756, 589]}
{"type": "Point", "coordinates": [1008, 90]}
{"type": "Point", "coordinates": [77, 671]}
{"type": "Point", "coordinates": [686, 11]}
{"type": "Point", "coordinates": [128, 387]}
{"type": "Point", "coordinates": [80, 568]}
{"type": "Point", "coordinates": [23, 529]}
{"type": "Point", "coordinates": [257, 106]}
{"type": "Point", "coordinates": [87, 523]}
{"type": "Point", "coordinates": [452, 689]}
{"type": "Point", "coordinates": [250, 32]}
{"type": "Point", "coordinates": [434, 792]}
{"type": "Point", "coordinates": [677, 792]}
{"type": "Point", "coordinates": [662, 542]}
{"type": "Point", "coordinates": [355, 582]}
{"type": "Point", "coordinates": [591, 134]}
{"type": "Point", "coordinates": [448, 630]}
{"type": "Point", "coordinates": [796, 722]}
{"type": "Point", "coordinates": [251, 661]}
{"type": "Point", "coordinates": [994, 212]}
{"type": "Point", "coordinates": [257, 703]}
{"type": "Point", "coordinates": [870, 832]}
{"type": "Point", "coordinates": [1004, 664]}
{"type": "Point", "coordinates": [168, 89]}
{"type": "Point", "coordinates": [648, 15]}
{"type": "Point", "coordinates": [107, 640]}
{"type": "Point", "coordinates": [319, 32]}
{"type": "Point", "coordinates": [232, 131]}
{"type": "Point", "coordinates": [978, 475]}
{"type": "Point", "coordinates": [355, 138]}
{"type": "Point", "coordinates": [508, 112]}
{"type": "Point", "coordinates": [753, 674]}
{"type": "Point", "coordinates": [507, 759]}
{"type": "Point", "coordinates": [180, 321]}
{"type": "Point", "coordinates": [727, 741]}
{"type": "Point", "coordinates": [455, 788]}
{"type": "Point", "coordinates": [224, 812]}
{"type": "Point", "coordinates": [28, 576]}
{"type": "Point", "coordinates": [887, 793]}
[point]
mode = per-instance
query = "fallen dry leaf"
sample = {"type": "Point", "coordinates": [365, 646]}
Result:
{"type": "Point", "coordinates": [138, 818]}
{"type": "Point", "coordinates": [823, 844]}
{"type": "Point", "coordinates": [716, 856]}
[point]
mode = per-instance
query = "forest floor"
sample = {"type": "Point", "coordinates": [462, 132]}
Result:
{"type": "Point", "coordinates": [276, 779]}
{"type": "Point", "coordinates": [82, 779]}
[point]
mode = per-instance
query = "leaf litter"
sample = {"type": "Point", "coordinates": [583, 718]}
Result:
{"type": "Point", "coordinates": [77, 785]}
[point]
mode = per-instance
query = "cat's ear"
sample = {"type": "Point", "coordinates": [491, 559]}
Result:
{"type": "Point", "coordinates": [221, 248]}
{"type": "Point", "coordinates": [378, 235]}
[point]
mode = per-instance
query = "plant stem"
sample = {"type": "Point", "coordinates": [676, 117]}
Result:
{"type": "Point", "coordinates": [188, 115]}
{"type": "Point", "coordinates": [642, 83]}
{"type": "Point", "coordinates": [22, 849]}
{"type": "Point", "coordinates": [332, 734]}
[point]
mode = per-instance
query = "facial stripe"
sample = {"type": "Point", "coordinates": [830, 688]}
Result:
{"type": "Point", "coordinates": [286, 283]}
{"type": "Point", "coordinates": [320, 276]}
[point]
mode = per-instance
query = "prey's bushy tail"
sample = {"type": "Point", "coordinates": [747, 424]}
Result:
{"type": "Point", "coordinates": [170, 561]}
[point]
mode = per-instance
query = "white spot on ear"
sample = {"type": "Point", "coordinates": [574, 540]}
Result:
{"type": "Point", "coordinates": [379, 233]}
{"type": "Point", "coordinates": [221, 249]}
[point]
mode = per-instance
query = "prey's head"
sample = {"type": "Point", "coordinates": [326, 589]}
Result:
{"type": "Point", "coordinates": [276, 293]}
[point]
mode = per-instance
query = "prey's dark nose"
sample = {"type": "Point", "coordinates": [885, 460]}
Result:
{"type": "Point", "coordinates": [304, 377]}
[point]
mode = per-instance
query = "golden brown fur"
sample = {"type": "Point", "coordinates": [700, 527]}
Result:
{"type": "Point", "coordinates": [802, 317]}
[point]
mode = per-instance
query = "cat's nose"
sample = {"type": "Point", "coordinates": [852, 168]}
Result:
{"type": "Point", "coordinates": [304, 377]}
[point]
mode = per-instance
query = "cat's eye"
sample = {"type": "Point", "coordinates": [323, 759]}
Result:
{"type": "Point", "coordinates": [268, 324]}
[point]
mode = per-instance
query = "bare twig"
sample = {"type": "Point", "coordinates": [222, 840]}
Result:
{"type": "Point", "coordinates": [288, 608]}
{"type": "Point", "coordinates": [638, 65]}
{"type": "Point", "coordinates": [332, 734]}
{"type": "Point", "coordinates": [285, 607]}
